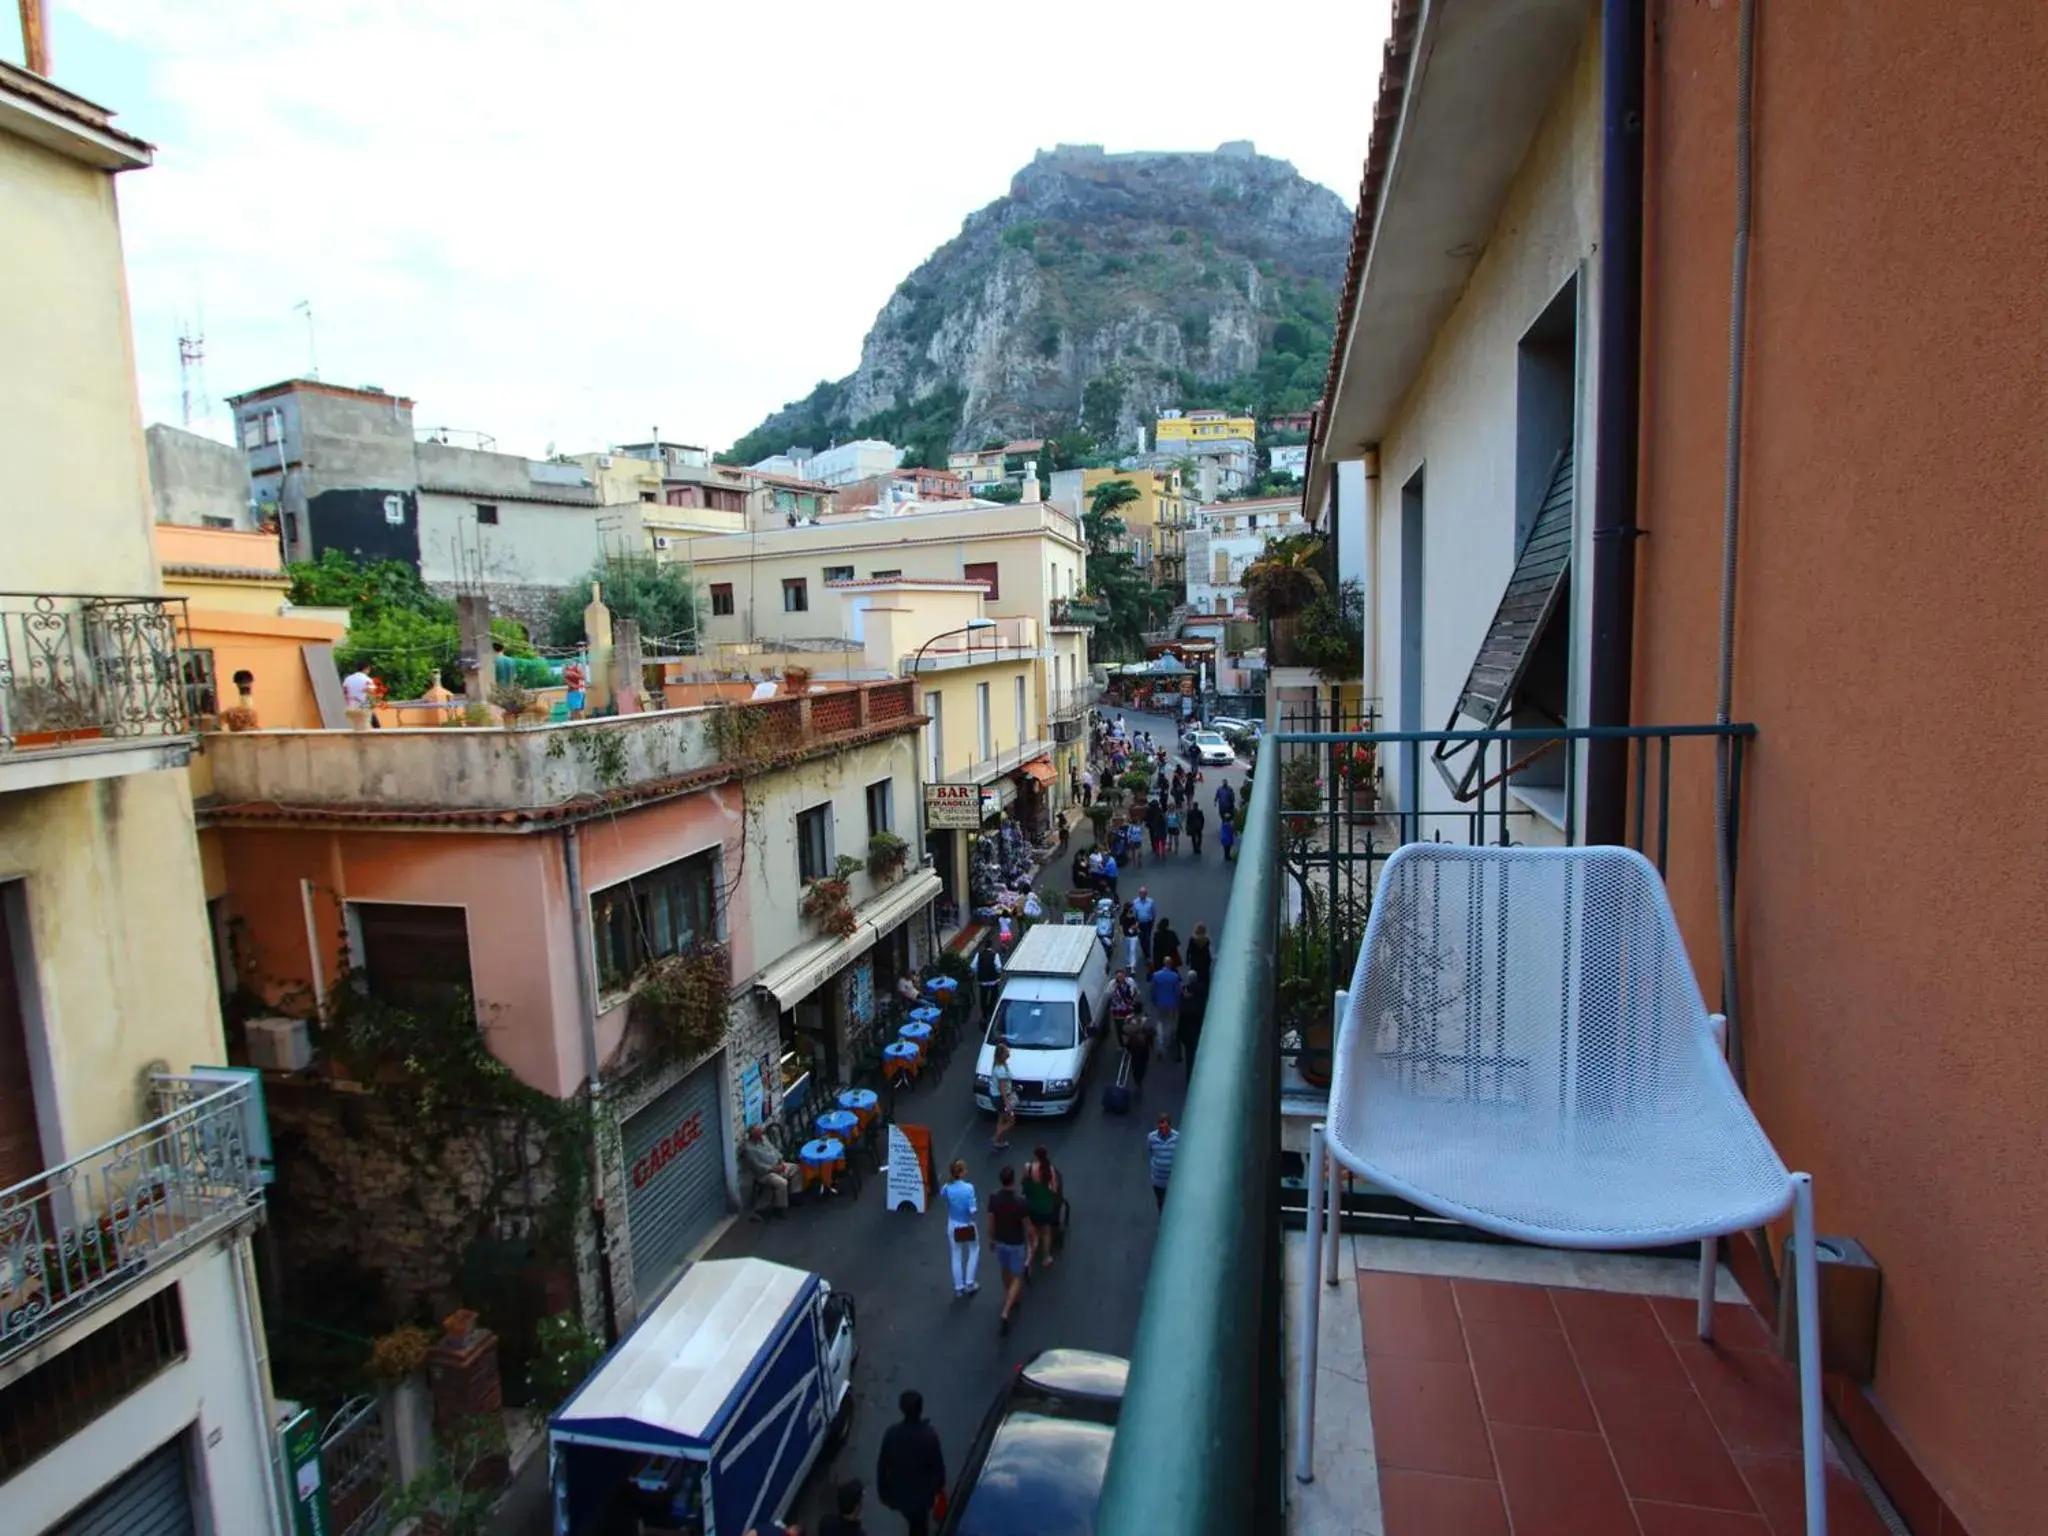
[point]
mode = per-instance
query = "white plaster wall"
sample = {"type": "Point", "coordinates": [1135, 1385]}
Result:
{"type": "Point", "coordinates": [532, 543]}
{"type": "Point", "coordinates": [209, 1395]}
{"type": "Point", "coordinates": [1457, 424]}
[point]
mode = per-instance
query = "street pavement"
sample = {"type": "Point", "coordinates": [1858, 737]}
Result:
{"type": "Point", "coordinates": [912, 1332]}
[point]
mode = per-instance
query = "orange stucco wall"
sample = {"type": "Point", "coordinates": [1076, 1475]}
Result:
{"type": "Point", "coordinates": [514, 888]}
{"type": "Point", "coordinates": [1894, 549]}
{"type": "Point", "coordinates": [270, 647]}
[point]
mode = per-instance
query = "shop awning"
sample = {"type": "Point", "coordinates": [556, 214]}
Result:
{"type": "Point", "coordinates": [804, 969]}
{"type": "Point", "coordinates": [1042, 771]}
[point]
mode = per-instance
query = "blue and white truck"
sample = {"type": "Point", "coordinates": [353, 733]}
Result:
{"type": "Point", "coordinates": [707, 1416]}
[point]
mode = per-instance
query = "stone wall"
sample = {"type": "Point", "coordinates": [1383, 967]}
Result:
{"type": "Point", "coordinates": [529, 604]}
{"type": "Point", "coordinates": [355, 1187]}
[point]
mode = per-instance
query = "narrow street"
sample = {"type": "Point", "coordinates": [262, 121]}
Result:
{"type": "Point", "coordinates": [912, 1331]}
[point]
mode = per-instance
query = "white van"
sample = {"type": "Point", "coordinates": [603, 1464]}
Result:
{"type": "Point", "coordinates": [1050, 1012]}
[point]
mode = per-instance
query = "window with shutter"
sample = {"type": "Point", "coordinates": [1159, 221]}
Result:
{"type": "Point", "coordinates": [1525, 612]}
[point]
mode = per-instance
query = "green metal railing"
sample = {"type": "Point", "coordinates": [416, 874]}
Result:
{"type": "Point", "coordinates": [1199, 1447]}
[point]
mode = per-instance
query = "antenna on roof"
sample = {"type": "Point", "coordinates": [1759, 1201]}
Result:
{"type": "Point", "coordinates": [305, 307]}
{"type": "Point", "coordinates": [191, 373]}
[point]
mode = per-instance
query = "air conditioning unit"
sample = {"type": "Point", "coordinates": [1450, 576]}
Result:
{"type": "Point", "coordinates": [279, 1045]}
{"type": "Point", "coordinates": [604, 461]}
{"type": "Point", "coordinates": [661, 541]}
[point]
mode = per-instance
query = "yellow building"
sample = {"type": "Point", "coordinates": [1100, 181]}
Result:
{"type": "Point", "coordinates": [124, 1144]}
{"type": "Point", "coordinates": [1183, 430]}
{"type": "Point", "coordinates": [1156, 524]}
{"type": "Point", "coordinates": [876, 589]}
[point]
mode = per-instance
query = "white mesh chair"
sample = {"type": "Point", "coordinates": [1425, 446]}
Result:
{"type": "Point", "coordinates": [1524, 1049]}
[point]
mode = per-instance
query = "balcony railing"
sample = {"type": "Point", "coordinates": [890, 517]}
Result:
{"type": "Point", "coordinates": [1006, 760]}
{"type": "Point", "coordinates": [1199, 1448]}
{"type": "Point", "coordinates": [78, 668]}
{"type": "Point", "coordinates": [444, 773]}
{"type": "Point", "coordinates": [1076, 613]}
{"type": "Point", "coordinates": [1072, 703]}
{"type": "Point", "coordinates": [77, 1235]}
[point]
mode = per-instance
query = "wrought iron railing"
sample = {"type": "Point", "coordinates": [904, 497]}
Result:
{"type": "Point", "coordinates": [79, 1233]}
{"type": "Point", "coordinates": [1198, 1446]}
{"type": "Point", "coordinates": [1071, 703]}
{"type": "Point", "coordinates": [77, 668]}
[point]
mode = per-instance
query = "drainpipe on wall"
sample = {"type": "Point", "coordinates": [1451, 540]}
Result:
{"type": "Point", "coordinates": [586, 1007]}
{"type": "Point", "coordinates": [1618, 376]}
{"type": "Point", "coordinates": [1370, 523]}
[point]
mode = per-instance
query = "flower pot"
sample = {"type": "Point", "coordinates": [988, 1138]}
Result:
{"type": "Point", "coordinates": [1314, 1061]}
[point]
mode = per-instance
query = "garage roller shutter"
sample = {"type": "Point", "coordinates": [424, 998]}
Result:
{"type": "Point", "coordinates": [151, 1499]}
{"type": "Point", "coordinates": [675, 1178]}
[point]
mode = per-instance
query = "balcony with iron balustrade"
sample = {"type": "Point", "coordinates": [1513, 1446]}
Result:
{"type": "Point", "coordinates": [91, 686]}
{"type": "Point", "coordinates": [80, 1236]}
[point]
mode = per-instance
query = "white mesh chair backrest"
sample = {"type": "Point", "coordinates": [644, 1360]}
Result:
{"type": "Point", "coordinates": [1526, 1047]}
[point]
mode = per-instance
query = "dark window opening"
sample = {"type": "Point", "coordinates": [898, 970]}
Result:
{"type": "Point", "coordinates": [486, 513]}
{"type": "Point", "coordinates": [1546, 375]}
{"type": "Point", "coordinates": [202, 687]}
{"type": "Point", "coordinates": [721, 599]}
{"type": "Point", "coordinates": [70, 1390]}
{"type": "Point", "coordinates": [884, 575]}
{"type": "Point", "coordinates": [412, 956]}
{"type": "Point", "coordinates": [986, 571]}
{"type": "Point", "coordinates": [814, 843]}
{"type": "Point", "coordinates": [661, 913]}
{"type": "Point", "coordinates": [838, 573]}
{"type": "Point", "coordinates": [880, 794]}
{"type": "Point", "coordinates": [796, 595]}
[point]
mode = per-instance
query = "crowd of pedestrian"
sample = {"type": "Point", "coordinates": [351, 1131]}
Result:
{"type": "Point", "coordinates": [1155, 1004]}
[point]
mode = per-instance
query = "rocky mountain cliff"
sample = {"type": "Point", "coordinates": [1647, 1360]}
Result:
{"type": "Point", "coordinates": [1101, 289]}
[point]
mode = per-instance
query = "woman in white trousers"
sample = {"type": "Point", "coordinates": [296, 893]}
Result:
{"type": "Point", "coordinates": [961, 1232]}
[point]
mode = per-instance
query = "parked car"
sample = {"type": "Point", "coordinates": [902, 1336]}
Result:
{"type": "Point", "coordinates": [1211, 749]}
{"type": "Point", "coordinates": [1236, 731]}
{"type": "Point", "coordinates": [1040, 1458]}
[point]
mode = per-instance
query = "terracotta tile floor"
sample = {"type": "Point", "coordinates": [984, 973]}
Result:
{"type": "Point", "coordinates": [1503, 1409]}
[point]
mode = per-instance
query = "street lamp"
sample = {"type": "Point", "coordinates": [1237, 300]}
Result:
{"type": "Point", "coordinates": [917, 662]}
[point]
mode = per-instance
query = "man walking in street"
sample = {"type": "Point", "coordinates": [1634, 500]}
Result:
{"type": "Point", "coordinates": [1226, 799]}
{"type": "Point", "coordinates": [1194, 1002]}
{"type": "Point", "coordinates": [1196, 821]}
{"type": "Point", "coordinates": [1160, 1146]}
{"type": "Point", "coordinates": [911, 1471]}
{"type": "Point", "coordinates": [1226, 839]}
{"type": "Point", "coordinates": [1165, 986]}
{"type": "Point", "coordinates": [988, 975]}
{"type": "Point", "coordinates": [1146, 911]}
{"type": "Point", "coordinates": [1009, 1235]}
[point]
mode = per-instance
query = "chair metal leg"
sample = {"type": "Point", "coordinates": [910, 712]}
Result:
{"type": "Point", "coordinates": [1710, 1265]}
{"type": "Point", "coordinates": [1331, 1172]}
{"type": "Point", "coordinates": [1333, 1217]}
{"type": "Point", "coordinates": [1806, 1270]}
{"type": "Point", "coordinates": [1312, 1303]}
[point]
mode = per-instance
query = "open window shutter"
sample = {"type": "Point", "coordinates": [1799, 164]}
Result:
{"type": "Point", "coordinates": [1525, 608]}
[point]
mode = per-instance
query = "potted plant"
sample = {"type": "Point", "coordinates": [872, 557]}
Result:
{"type": "Point", "coordinates": [887, 855]}
{"type": "Point", "coordinates": [826, 901]}
{"type": "Point", "coordinates": [684, 1000]}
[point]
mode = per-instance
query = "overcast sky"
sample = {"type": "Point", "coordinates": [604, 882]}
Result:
{"type": "Point", "coordinates": [569, 224]}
